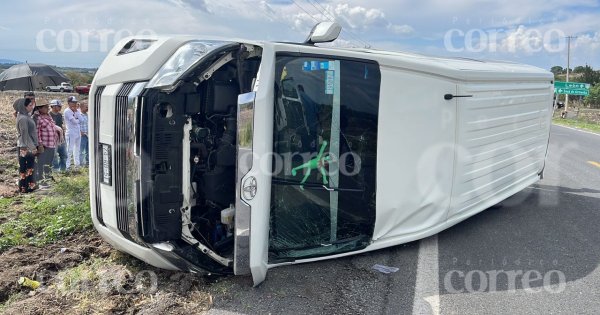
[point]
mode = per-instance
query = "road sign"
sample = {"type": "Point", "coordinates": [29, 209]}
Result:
{"type": "Point", "coordinates": [583, 92]}
{"type": "Point", "coordinates": [571, 85]}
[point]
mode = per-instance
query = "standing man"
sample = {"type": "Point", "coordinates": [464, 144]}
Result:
{"type": "Point", "coordinates": [60, 156]}
{"type": "Point", "coordinates": [73, 121]}
{"type": "Point", "coordinates": [84, 149]}
{"type": "Point", "coordinates": [46, 143]}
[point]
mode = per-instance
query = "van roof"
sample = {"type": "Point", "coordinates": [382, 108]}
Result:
{"type": "Point", "coordinates": [464, 69]}
{"type": "Point", "coordinates": [145, 63]}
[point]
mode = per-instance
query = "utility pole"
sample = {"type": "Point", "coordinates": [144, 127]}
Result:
{"type": "Point", "coordinates": [568, 66]}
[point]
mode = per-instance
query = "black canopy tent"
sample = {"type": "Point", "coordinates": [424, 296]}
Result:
{"type": "Point", "coordinates": [30, 77]}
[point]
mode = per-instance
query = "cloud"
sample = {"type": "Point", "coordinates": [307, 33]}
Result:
{"type": "Point", "coordinates": [588, 41]}
{"type": "Point", "coordinates": [392, 24]}
{"type": "Point", "coordinates": [191, 4]}
{"type": "Point", "coordinates": [523, 39]}
{"type": "Point", "coordinates": [401, 29]}
{"type": "Point", "coordinates": [358, 17]}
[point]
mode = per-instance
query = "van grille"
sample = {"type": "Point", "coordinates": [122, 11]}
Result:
{"type": "Point", "coordinates": [98, 157]}
{"type": "Point", "coordinates": [121, 142]}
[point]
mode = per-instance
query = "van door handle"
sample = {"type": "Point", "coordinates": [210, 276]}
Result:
{"type": "Point", "coordinates": [450, 96]}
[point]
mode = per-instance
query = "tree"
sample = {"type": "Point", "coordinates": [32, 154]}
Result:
{"type": "Point", "coordinates": [79, 78]}
{"type": "Point", "coordinates": [579, 69]}
{"type": "Point", "coordinates": [593, 100]}
{"type": "Point", "coordinates": [590, 76]}
{"type": "Point", "coordinates": [557, 70]}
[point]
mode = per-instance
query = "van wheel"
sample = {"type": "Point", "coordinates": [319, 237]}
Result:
{"type": "Point", "coordinates": [49, 89]}
{"type": "Point", "coordinates": [62, 90]}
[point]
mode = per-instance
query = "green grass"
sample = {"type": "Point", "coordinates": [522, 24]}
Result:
{"type": "Point", "coordinates": [577, 124]}
{"type": "Point", "coordinates": [13, 298]}
{"type": "Point", "coordinates": [47, 218]}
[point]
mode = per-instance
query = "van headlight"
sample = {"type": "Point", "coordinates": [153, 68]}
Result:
{"type": "Point", "coordinates": [182, 60]}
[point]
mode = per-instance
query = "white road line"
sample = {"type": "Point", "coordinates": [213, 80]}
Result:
{"type": "Point", "coordinates": [584, 131]}
{"type": "Point", "coordinates": [427, 286]}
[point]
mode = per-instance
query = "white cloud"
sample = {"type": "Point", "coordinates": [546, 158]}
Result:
{"type": "Point", "coordinates": [401, 29]}
{"type": "Point", "coordinates": [391, 24]}
{"type": "Point", "coordinates": [522, 39]}
{"type": "Point", "coordinates": [357, 17]}
{"type": "Point", "coordinates": [191, 4]}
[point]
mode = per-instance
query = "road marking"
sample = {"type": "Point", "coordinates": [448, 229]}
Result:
{"type": "Point", "coordinates": [594, 163]}
{"type": "Point", "coordinates": [427, 288]}
{"type": "Point", "coordinates": [584, 131]}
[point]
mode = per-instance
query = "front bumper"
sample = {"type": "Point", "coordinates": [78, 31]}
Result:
{"type": "Point", "coordinates": [114, 206]}
{"type": "Point", "coordinates": [145, 254]}
{"type": "Point", "coordinates": [117, 201]}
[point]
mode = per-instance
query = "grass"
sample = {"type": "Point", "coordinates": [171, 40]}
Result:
{"type": "Point", "coordinates": [86, 283]}
{"type": "Point", "coordinates": [90, 283]}
{"type": "Point", "coordinates": [47, 218]}
{"type": "Point", "coordinates": [77, 280]}
{"type": "Point", "coordinates": [13, 298]}
{"type": "Point", "coordinates": [577, 124]}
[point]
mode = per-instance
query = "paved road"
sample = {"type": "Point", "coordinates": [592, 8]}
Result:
{"type": "Point", "coordinates": [538, 252]}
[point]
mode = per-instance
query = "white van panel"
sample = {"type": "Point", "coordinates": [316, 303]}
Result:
{"type": "Point", "coordinates": [415, 158]}
{"type": "Point", "coordinates": [502, 135]}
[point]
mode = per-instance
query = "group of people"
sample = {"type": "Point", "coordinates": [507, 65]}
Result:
{"type": "Point", "coordinates": [49, 139]}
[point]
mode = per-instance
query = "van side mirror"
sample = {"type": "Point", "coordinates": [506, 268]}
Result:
{"type": "Point", "coordinates": [324, 32]}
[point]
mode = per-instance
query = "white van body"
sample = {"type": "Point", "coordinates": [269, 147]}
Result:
{"type": "Point", "coordinates": [438, 141]}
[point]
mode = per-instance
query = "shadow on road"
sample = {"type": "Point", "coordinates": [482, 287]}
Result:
{"type": "Point", "coordinates": [542, 236]}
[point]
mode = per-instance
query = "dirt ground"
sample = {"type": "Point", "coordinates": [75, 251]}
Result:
{"type": "Point", "coordinates": [82, 274]}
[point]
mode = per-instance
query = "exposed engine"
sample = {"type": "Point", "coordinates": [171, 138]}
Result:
{"type": "Point", "coordinates": [202, 111]}
{"type": "Point", "coordinates": [213, 160]}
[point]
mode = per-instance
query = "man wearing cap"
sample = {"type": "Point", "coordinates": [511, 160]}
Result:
{"type": "Point", "coordinates": [72, 121]}
{"type": "Point", "coordinates": [60, 156]}
{"type": "Point", "coordinates": [46, 143]}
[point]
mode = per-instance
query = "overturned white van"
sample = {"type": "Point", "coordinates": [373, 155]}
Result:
{"type": "Point", "coordinates": [234, 156]}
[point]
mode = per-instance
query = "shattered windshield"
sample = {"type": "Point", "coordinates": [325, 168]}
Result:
{"type": "Point", "coordinates": [325, 145]}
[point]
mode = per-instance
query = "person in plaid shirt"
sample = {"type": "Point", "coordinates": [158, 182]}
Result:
{"type": "Point", "coordinates": [46, 143]}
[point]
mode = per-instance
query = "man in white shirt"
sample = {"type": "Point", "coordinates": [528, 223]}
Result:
{"type": "Point", "coordinates": [72, 121]}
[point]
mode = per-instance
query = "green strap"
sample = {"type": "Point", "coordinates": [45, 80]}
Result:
{"type": "Point", "coordinates": [317, 163]}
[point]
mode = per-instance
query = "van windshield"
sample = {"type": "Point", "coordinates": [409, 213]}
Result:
{"type": "Point", "coordinates": [325, 146]}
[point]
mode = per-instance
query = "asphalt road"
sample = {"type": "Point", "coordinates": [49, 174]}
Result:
{"type": "Point", "coordinates": [537, 252]}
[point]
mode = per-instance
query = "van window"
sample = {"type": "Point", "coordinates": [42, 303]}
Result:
{"type": "Point", "coordinates": [325, 147]}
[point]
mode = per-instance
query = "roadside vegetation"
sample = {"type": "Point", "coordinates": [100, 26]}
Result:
{"type": "Point", "coordinates": [46, 216]}
{"type": "Point", "coordinates": [573, 123]}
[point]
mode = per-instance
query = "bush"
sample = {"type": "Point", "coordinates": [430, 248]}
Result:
{"type": "Point", "coordinates": [593, 100]}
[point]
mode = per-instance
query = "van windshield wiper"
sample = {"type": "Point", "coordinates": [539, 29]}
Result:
{"type": "Point", "coordinates": [285, 182]}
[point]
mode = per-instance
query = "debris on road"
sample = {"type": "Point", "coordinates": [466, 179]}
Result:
{"type": "Point", "coordinates": [385, 269]}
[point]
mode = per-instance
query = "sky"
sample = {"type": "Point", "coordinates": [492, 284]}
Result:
{"type": "Point", "coordinates": [80, 34]}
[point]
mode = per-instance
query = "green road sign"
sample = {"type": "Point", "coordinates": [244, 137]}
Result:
{"type": "Point", "coordinates": [583, 92]}
{"type": "Point", "coordinates": [571, 85]}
